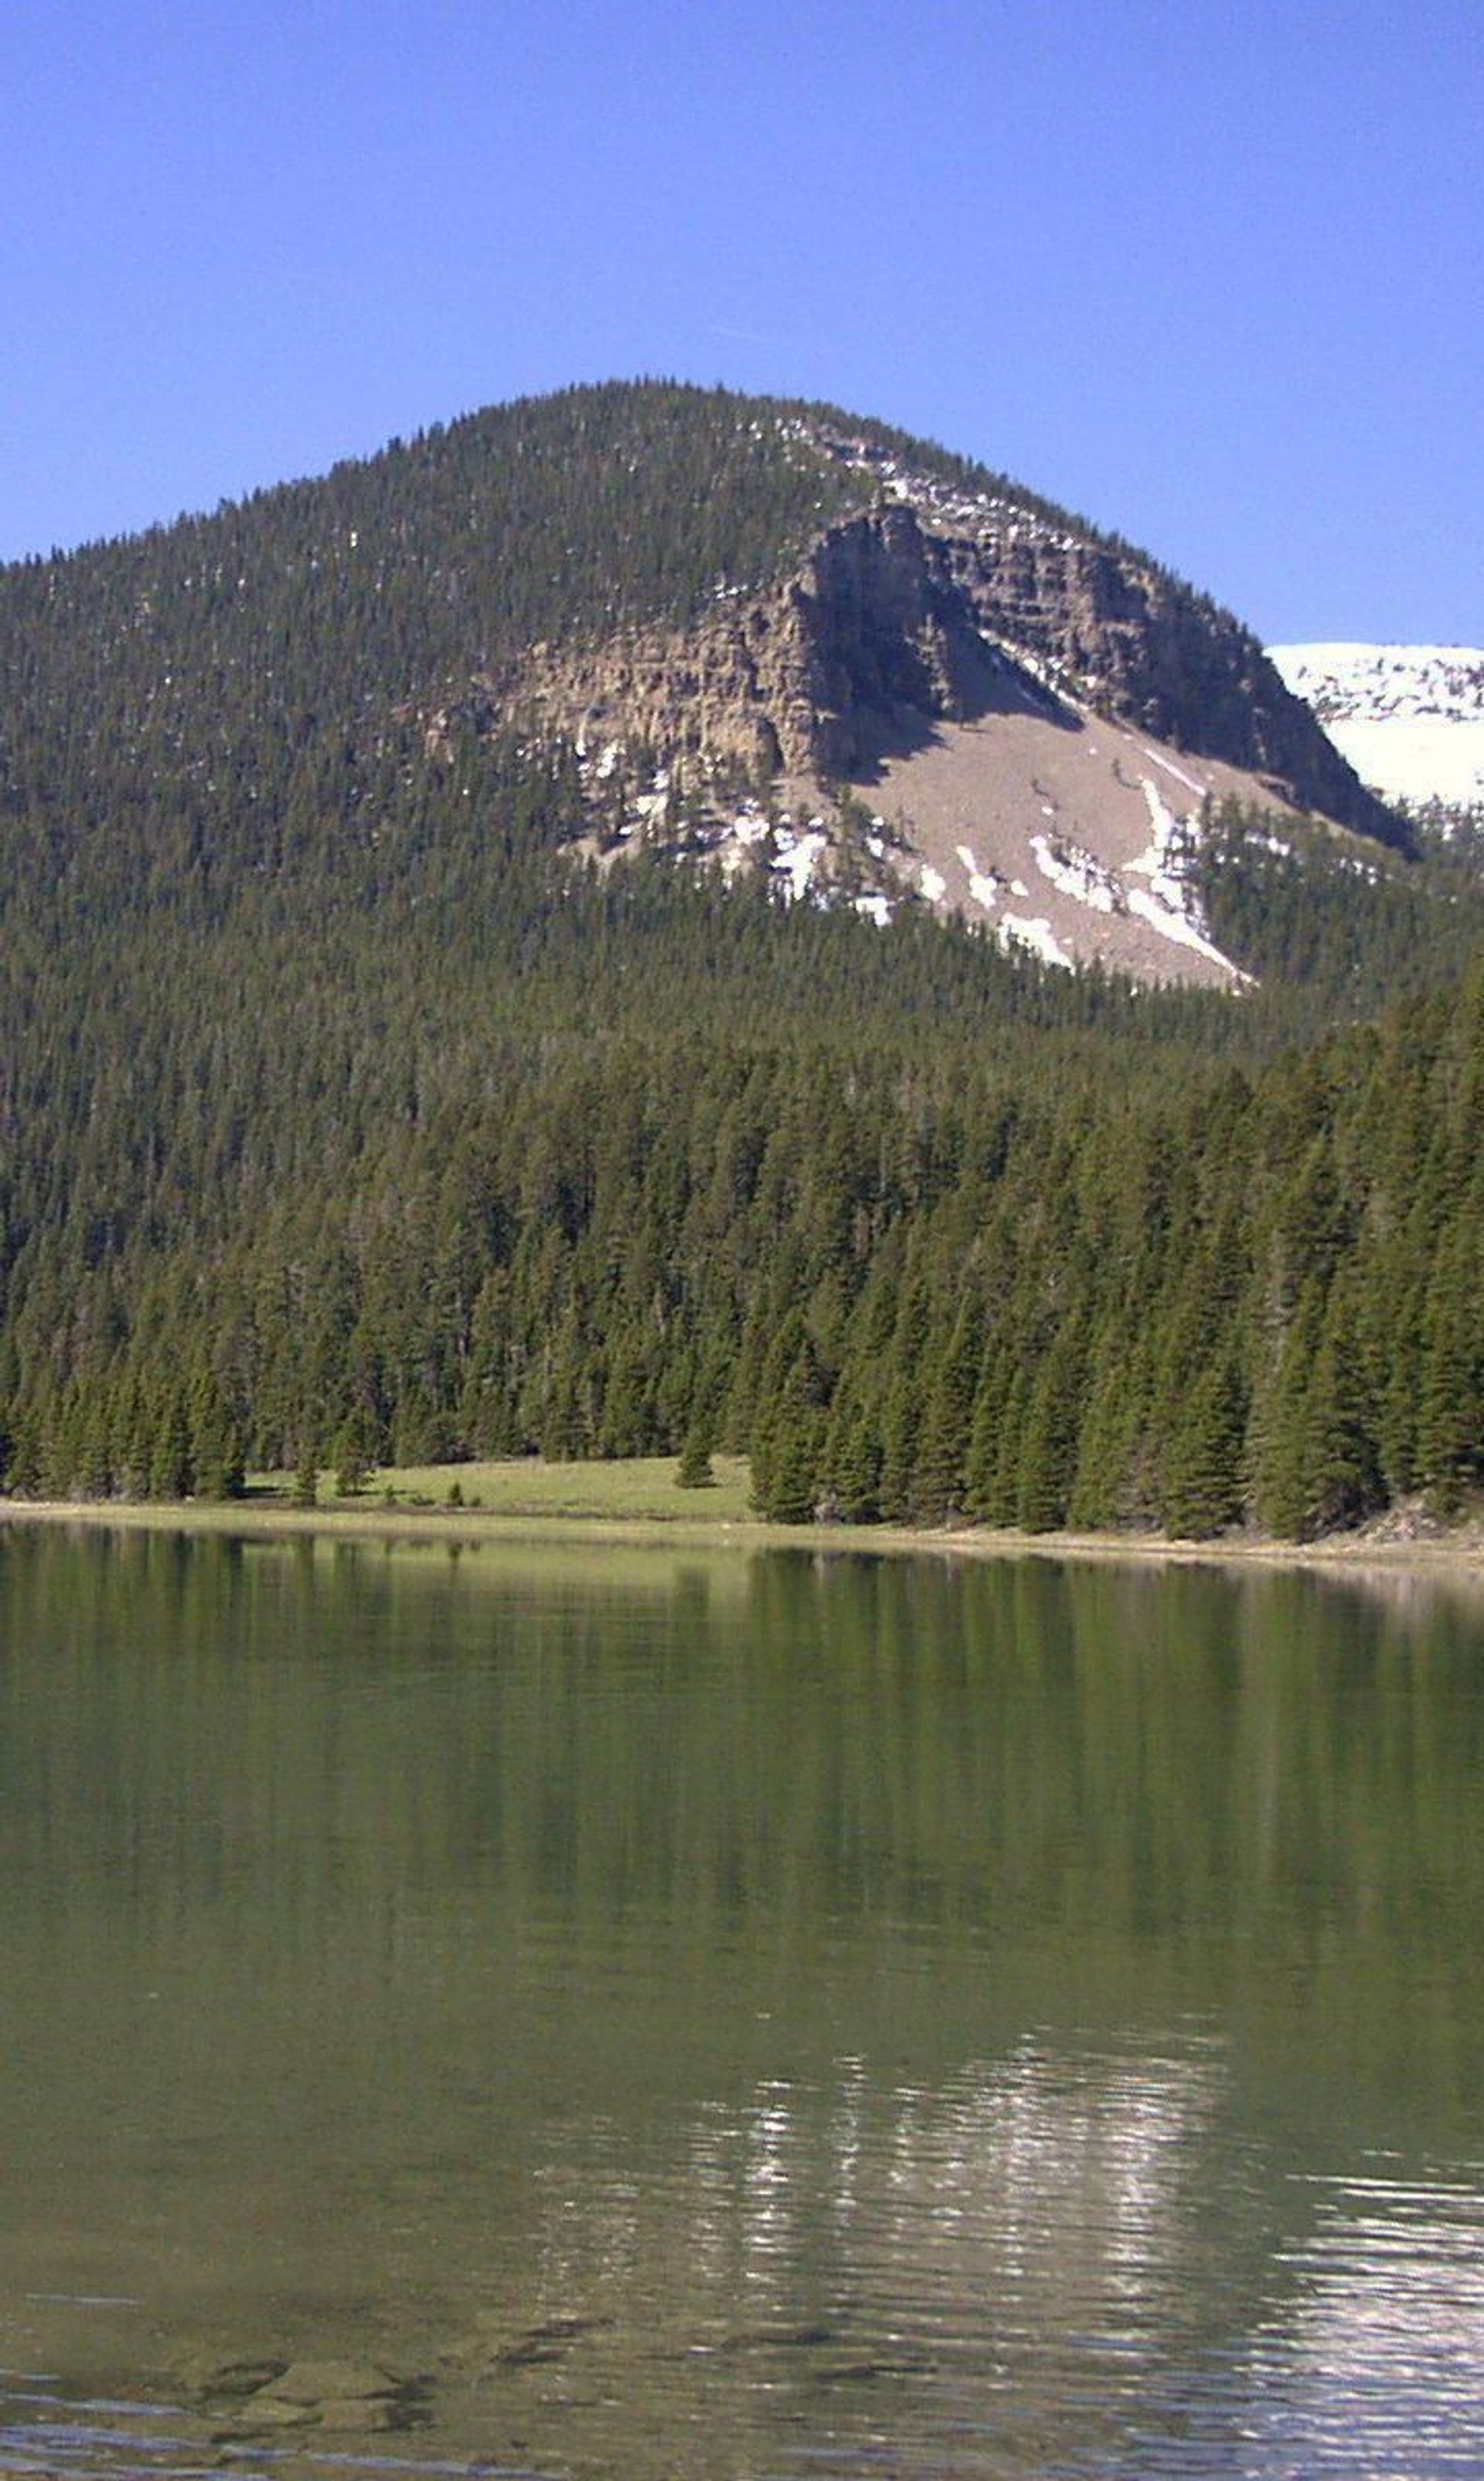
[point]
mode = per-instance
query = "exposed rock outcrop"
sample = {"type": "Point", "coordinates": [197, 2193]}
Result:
{"type": "Point", "coordinates": [872, 627]}
{"type": "Point", "coordinates": [1135, 644]}
{"type": "Point", "coordinates": [929, 609]}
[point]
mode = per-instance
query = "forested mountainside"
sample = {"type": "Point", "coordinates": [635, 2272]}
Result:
{"type": "Point", "coordinates": [351, 1101]}
{"type": "Point", "coordinates": [1021, 1258]}
{"type": "Point", "coordinates": [713, 612]}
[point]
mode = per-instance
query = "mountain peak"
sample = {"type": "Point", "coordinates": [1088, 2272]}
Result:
{"type": "Point", "coordinates": [761, 631]}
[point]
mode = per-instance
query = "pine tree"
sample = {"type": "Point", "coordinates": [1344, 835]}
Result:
{"type": "Point", "coordinates": [851, 1471]}
{"type": "Point", "coordinates": [696, 1469]}
{"type": "Point", "coordinates": [352, 1455]}
{"type": "Point", "coordinates": [1344, 1457]}
{"type": "Point", "coordinates": [981, 1457]}
{"type": "Point", "coordinates": [1284, 1476]}
{"type": "Point", "coordinates": [788, 1491]}
{"type": "Point", "coordinates": [1204, 1481]}
{"type": "Point", "coordinates": [172, 1468]}
{"type": "Point", "coordinates": [903, 1397]}
{"type": "Point", "coordinates": [939, 1477]}
{"type": "Point", "coordinates": [217, 1453]}
{"type": "Point", "coordinates": [1048, 1458]}
{"type": "Point", "coordinates": [1450, 1414]}
{"type": "Point", "coordinates": [1106, 1484]}
{"type": "Point", "coordinates": [1000, 1505]}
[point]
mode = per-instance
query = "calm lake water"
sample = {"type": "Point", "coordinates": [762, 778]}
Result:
{"type": "Point", "coordinates": [735, 2015]}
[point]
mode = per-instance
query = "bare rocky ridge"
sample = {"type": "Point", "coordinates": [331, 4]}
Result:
{"type": "Point", "coordinates": [944, 611]}
{"type": "Point", "coordinates": [902, 611]}
{"type": "Point", "coordinates": [791, 682]}
{"type": "Point", "coordinates": [1142, 650]}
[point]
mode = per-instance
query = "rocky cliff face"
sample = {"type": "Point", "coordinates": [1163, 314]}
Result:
{"type": "Point", "coordinates": [1134, 644]}
{"type": "Point", "coordinates": [791, 682]}
{"type": "Point", "coordinates": [926, 609]}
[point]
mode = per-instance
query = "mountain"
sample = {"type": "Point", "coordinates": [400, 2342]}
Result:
{"type": "Point", "coordinates": [540, 941]}
{"type": "Point", "coordinates": [1410, 719]}
{"type": "Point", "coordinates": [775, 635]}
{"type": "Point", "coordinates": [1029, 716]}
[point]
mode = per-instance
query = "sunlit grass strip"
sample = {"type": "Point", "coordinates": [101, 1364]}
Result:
{"type": "Point", "coordinates": [637, 1489]}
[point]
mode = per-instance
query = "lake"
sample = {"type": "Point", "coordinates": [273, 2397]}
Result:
{"type": "Point", "coordinates": [587, 2012]}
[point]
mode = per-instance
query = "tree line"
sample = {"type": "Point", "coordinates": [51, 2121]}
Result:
{"type": "Point", "coordinates": [1043, 1275]}
{"type": "Point", "coordinates": [345, 1115]}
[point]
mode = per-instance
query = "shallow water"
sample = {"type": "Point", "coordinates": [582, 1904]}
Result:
{"type": "Point", "coordinates": [735, 2015]}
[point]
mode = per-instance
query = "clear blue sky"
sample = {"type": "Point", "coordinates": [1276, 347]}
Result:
{"type": "Point", "coordinates": [1212, 274]}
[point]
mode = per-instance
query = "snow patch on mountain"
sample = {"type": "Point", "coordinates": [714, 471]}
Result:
{"type": "Point", "coordinates": [798, 855]}
{"type": "Point", "coordinates": [1078, 875]}
{"type": "Point", "coordinates": [1021, 931]}
{"type": "Point", "coordinates": [984, 885]}
{"type": "Point", "coordinates": [1078, 845]}
{"type": "Point", "coordinates": [1166, 903]}
{"type": "Point", "coordinates": [1409, 719]}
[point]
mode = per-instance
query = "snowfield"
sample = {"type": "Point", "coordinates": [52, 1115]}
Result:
{"type": "Point", "coordinates": [1409, 719]}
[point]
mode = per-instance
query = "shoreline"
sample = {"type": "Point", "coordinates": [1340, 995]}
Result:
{"type": "Point", "coordinates": [1457, 1551]}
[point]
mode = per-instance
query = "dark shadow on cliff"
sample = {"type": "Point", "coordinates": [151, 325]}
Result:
{"type": "Point", "coordinates": [985, 684]}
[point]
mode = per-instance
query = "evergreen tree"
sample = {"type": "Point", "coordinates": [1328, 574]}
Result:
{"type": "Point", "coordinates": [172, 1468]}
{"type": "Point", "coordinates": [217, 1455]}
{"type": "Point", "coordinates": [938, 1487]}
{"type": "Point", "coordinates": [1203, 1485]}
{"type": "Point", "coordinates": [1450, 1415]}
{"type": "Point", "coordinates": [1048, 1458]}
{"type": "Point", "coordinates": [852, 1473]}
{"type": "Point", "coordinates": [696, 1469]}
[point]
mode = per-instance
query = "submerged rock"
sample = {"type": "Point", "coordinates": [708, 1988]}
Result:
{"type": "Point", "coordinates": [265, 2411]}
{"type": "Point", "coordinates": [323, 2382]}
{"type": "Point", "coordinates": [494, 2344]}
{"type": "Point", "coordinates": [356, 2396]}
{"type": "Point", "coordinates": [203, 2373]}
{"type": "Point", "coordinates": [364, 2415]}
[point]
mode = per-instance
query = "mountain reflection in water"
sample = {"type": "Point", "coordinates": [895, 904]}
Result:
{"type": "Point", "coordinates": [735, 2015]}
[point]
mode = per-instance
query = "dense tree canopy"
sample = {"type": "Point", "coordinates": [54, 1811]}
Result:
{"type": "Point", "coordinates": [344, 1114]}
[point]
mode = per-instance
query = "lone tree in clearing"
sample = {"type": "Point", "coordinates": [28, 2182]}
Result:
{"type": "Point", "coordinates": [696, 1471]}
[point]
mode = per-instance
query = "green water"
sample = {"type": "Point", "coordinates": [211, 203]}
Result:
{"type": "Point", "coordinates": [737, 2015]}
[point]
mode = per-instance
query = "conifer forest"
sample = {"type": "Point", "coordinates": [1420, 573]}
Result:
{"type": "Point", "coordinates": [347, 1111]}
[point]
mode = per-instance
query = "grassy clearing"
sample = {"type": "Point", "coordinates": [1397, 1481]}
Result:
{"type": "Point", "coordinates": [601, 1509]}
{"type": "Point", "coordinates": [636, 1490]}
